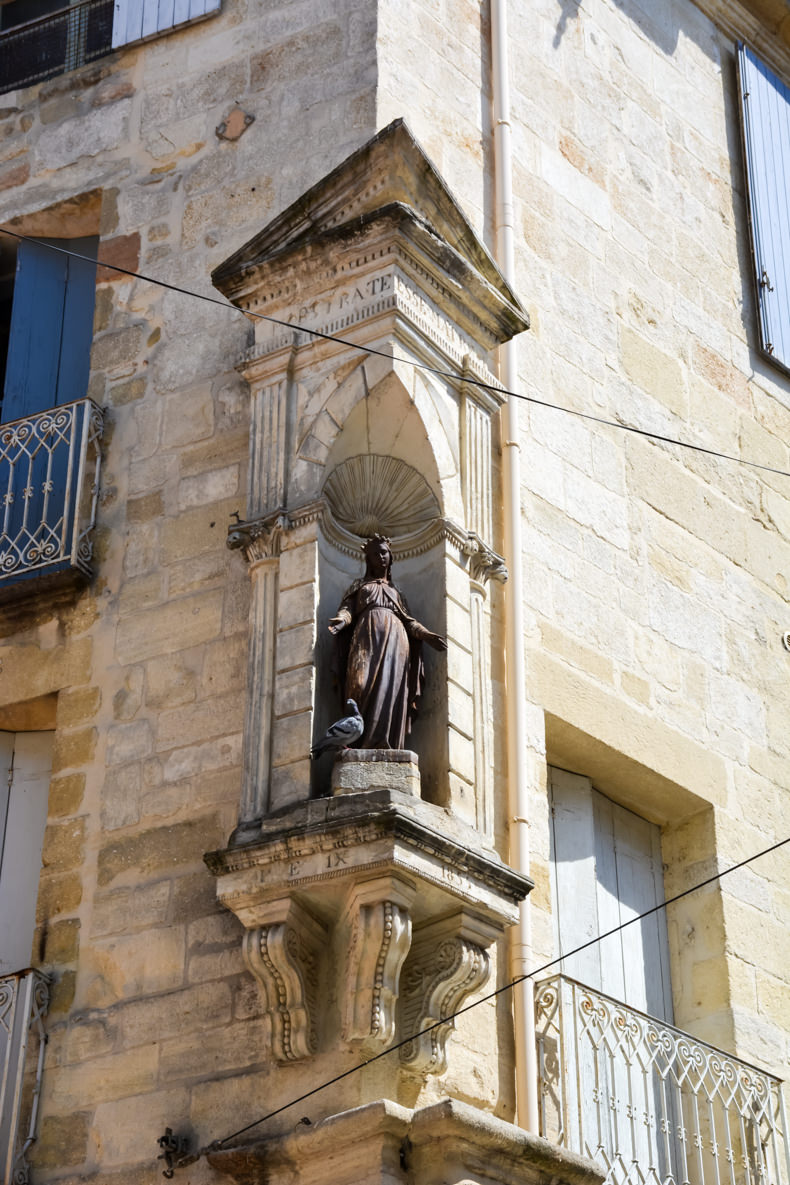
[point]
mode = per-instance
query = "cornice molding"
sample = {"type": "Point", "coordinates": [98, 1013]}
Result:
{"type": "Point", "coordinates": [263, 538]}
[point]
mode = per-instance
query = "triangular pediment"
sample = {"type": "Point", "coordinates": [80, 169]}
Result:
{"type": "Point", "coordinates": [389, 172]}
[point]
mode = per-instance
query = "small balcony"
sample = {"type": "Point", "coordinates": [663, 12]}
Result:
{"type": "Point", "coordinates": [24, 998]}
{"type": "Point", "coordinates": [49, 482]}
{"type": "Point", "coordinates": [651, 1104]}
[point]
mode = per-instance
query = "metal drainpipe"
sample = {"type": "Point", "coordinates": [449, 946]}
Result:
{"type": "Point", "coordinates": [521, 943]}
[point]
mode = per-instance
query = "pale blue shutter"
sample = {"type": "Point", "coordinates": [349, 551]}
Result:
{"type": "Point", "coordinates": [134, 20]}
{"type": "Point", "coordinates": [765, 102]}
{"type": "Point", "coordinates": [24, 821]}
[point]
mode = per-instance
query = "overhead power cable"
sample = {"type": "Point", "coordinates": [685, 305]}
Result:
{"type": "Point", "coordinates": [425, 366]}
{"type": "Point", "coordinates": [217, 1145]}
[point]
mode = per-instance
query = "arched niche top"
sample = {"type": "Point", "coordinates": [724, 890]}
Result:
{"type": "Point", "coordinates": [376, 411]}
{"type": "Point", "coordinates": [370, 492]}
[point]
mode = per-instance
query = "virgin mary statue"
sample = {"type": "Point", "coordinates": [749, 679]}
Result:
{"type": "Point", "coordinates": [381, 651]}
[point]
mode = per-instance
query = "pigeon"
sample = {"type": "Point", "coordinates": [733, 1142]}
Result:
{"type": "Point", "coordinates": [342, 733]}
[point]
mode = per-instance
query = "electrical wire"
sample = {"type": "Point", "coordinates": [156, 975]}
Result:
{"type": "Point", "coordinates": [445, 374]}
{"type": "Point", "coordinates": [217, 1145]}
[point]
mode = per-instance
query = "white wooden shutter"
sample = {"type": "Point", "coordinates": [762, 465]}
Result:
{"type": "Point", "coordinates": [20, 866]}
{"type": "Point", "coordinates": [765, 104]}
{"type": "Point", "coordinates": [134, 20]}
{"type": "Point", "coordinates": [575, 905]}
{"type": "Point", "coordinates": [606, 866]}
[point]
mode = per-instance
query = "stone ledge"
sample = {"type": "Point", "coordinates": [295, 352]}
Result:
{"type": "Point", "coordinates": [360, 875]}
{"type": "Point", "coordinates": [320, 847]}
{"type": "Point", "coordinates": [383, 1143]}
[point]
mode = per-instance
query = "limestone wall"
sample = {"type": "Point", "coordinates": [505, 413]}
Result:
{"type": "Point", "coordinates": [655, 577]}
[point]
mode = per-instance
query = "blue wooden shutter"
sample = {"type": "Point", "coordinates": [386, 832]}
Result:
{"type": "Point", "coordinates": [765, 102]}
{"type": "Point", "coordinates": [51, 326]}
{"type": "Point", "coordinates": [134, 20]}
{"type": "Point", "coordinates": [78, 307]}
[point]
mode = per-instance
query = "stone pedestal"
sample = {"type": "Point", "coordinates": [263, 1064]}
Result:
{"type": "Point", "coordinates": [449, 1143]}
{"type": "Point", "coordinates": [369, 769]}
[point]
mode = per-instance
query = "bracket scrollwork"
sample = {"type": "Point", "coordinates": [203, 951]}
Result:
{"type": "Point", "coordinates": [447, 963]}
{"type": "Point", "coordinates": [283, 954]}
{"type": "Point", "coordinates": [380, 936]}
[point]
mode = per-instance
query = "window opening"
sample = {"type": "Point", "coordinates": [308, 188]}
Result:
{"type": "Point", "coordinates": [49, 325]}
{"type": "Point", "coordinates": [765, 108]}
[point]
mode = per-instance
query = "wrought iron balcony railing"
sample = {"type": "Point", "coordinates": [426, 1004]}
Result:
{"type": "Point", "coordinates": [49, 481]}
{"type": "Point", "coordinates": [651, 1104]}
{"type": "Point", "coordinates": [54, 43]}
{"type": "Point", "coordinates": [24, 998]}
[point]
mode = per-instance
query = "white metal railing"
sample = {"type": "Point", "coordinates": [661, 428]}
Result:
{"type": "Point", "coordinates": [650, 1103]}
{"type": "Point", "coordinates": [24, 998]}
{"type": "Point", "coordinates": [49, 481]}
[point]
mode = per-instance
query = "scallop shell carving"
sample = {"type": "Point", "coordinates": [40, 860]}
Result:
{"type": "Point", "coordinates": [370, 493]}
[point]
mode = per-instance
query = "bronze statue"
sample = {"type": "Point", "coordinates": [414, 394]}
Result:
{"type": "Point", "coordinates": [381, 662]}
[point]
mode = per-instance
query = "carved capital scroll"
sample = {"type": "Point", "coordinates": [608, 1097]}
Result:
{"type": "Point", "coordinates": [259, 539]}
{"type": "Point", "coordinates": [283, 954]}
{"type": "Point", "coordinates": [380, 935]}
{"type": "Point", "coordinates": [262, 538]}
{"type": "Point", "coordinates": [484, 563]}
{"type": "Point", "coordinates": [447, 962]}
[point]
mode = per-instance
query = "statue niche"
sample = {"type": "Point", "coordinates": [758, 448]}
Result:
{"type": "Point", "coordinates": [371, 640]}
{"type": "Point", "coordinates": [379, 652]}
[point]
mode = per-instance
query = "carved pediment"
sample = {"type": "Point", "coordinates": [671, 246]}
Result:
{"type": "Point", "coordinates": [389, 169]}
{"type": "Point", "coordinates": [384, 202]}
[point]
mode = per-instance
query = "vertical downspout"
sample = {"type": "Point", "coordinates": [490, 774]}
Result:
{"type": "Point", "coordinates": [521, 943]}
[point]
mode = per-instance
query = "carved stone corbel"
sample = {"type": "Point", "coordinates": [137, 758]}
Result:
{"type": "Point", "coordinates": [378, 917]}
{"type": "Point", "coordinates": [447, 962]}
{"type": "Point", "coordinates": [283, 954]}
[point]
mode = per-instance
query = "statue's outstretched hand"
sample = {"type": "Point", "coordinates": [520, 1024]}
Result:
{"type": "Point", "coordinates": [336, 624]}
{"type": "Point", "coordinates": [436, 641]}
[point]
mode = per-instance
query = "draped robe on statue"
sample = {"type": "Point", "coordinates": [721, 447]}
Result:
{"type": "Point", "coordinates": [381, 664]}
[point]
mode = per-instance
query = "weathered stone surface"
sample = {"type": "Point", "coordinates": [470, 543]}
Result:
{"type": "Point", "coordinates": [363, 769]}
{"type": "Point", "coordinates": [78, 706]}
{"type": "Point", "coordinates": [62, 1140]}
{"type": "Point", "coordinates": [65, 794]}
{"type": "Point", "coordinates": [121, 797]}
{"type": "Point", "coordinates": [58, 894]}
{"type": "Point", "coordinates": [441, 1142]}
{"type": "Point", "coordinates": [73, 749]}
{"type": "Point", "coordinates": [64, 845]}
{"type": "Point", "coordinates": [158, 849]}
{"type": "Point", "coordinates": [123, 251]}
{"type": "Point", "coordinates": [172, 627]}
{"type": "Point", "coordinates": [62, 942]}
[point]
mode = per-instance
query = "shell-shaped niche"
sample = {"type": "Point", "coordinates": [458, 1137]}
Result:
{"type": "Point", "coordinates": [370, 493]}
